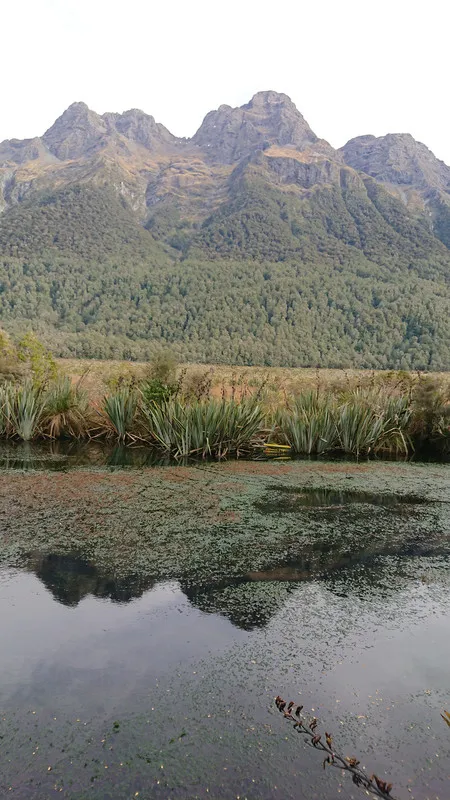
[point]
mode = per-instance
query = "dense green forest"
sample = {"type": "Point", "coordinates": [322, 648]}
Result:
{"type": "Point", "coordinates": [343, 277]}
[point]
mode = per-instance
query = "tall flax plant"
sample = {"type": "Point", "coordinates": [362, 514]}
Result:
{"type": "Point", "coordinates": [119, 410]}
{"type": "Point", "coordinates": [23, 410]}
{"type": "Point", "coordinates": [5, 414]}
{"type": "Point", "coordinates": [308, 426]}
{"type": "Point", "coordinates": [65, 410]}
{"type": "Point", "coordinates": [210, 428]}
{"type": "Point", "coordinates": [369, 422]}
{"type": "Point", "coordinates": [430, 424]}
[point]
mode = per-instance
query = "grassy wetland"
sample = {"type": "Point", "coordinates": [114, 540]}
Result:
{"type": "Point", "coordinates": [210, 412]}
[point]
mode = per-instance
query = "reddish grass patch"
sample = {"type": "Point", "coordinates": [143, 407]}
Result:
{"type": "Point", "coordinates": [229, 516]}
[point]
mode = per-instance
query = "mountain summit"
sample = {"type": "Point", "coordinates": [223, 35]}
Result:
{"type": "Point", "coordinates": [254, 241]}
{"type": "Point", "coordinates": [398, 159]}
{"type": "Point", "coordinates": [75, 133]}
{"type": "Point", "coordinates": [230, 134]}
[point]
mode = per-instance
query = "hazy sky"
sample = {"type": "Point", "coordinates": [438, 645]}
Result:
{"type": "Point", "coordinates": [352, 67]}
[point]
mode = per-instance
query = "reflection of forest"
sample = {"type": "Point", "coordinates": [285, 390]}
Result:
{"type": "Point", "coordinates": [252, 601]}
{"type": "Point", "coordinates": [289, 498]}
{"type": "Point", "coordinates": [70, 578]}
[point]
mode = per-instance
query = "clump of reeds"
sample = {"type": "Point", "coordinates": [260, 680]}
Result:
{"type": "Point", "coordinates": [118, 414]}
{"type": "Point", "coordinates": [309, 424]}
{"type": "Point", "coordinates": [27, 410]}
{"type": "Point", "coordinates": [22, 407]}
{"type": "Point", "coordinates": [65, 411]}
{"type": "Point", "coordinates": [4, 410]}
{"type": "Point", "coordinates": [430, 424]}
{"type": "Point", "coordinates": [358, 423]}
{"type": "Point", "coordinates": [373, 421]}
{"type": "Point", "coordinates": [211, 428]}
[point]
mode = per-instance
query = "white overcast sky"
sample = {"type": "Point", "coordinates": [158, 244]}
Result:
{"type": "Point", "coordinates": [351, 66]}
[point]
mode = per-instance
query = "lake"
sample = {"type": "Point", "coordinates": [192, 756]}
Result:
{"type": "Point", "coordinates": [149, 616]}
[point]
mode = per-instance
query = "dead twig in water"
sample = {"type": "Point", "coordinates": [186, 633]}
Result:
{"type": "Point", "coordinates": [374, 784]}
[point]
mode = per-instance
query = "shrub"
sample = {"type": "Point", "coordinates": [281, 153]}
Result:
{"type": "Point", "coordinates": [196, 385]}
{"type": "Point", "coordinates": [154, 391]}
{"type": "Point", "coordinates": [11, 369]}
{"type": "Point", "coordinates": [40, 361]}
{"type": "Point", "coordinates": [164, 367]}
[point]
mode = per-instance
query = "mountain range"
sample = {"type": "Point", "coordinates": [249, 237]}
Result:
{"type": "Point", "coordinates": [253, 242]}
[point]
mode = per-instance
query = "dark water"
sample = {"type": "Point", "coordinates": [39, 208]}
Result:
{"type": "Point", "coordinates": [62, 455]}
{"type": "Point", "coordinates": [158, 681]}
{"type": "Point", "coordinates": [292, 497]}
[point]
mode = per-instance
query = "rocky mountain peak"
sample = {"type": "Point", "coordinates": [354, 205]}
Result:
{"type": "Point", "coordinates": [399, 159]}
{"type": "Point", "coordinates": [230, 134]}
{"type": "Point", "coordinates": [78, 110]}
{"type": "Point", "coordinates": [140, 127]}
{"type": "Point", "coordinates": [270, 98]}
{"type": "Point", "coordinates": [77, 131]}
{"type": "Point", "coordinates": [19, 151]}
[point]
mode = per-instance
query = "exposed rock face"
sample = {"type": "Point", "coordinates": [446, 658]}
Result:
{"type": "Point", "coordinates": [397, 158]}
{"type": "Point", "coordinates": [306, 175]}
{"type": "Point", "coordinates": [230, 134]}
{"type": "Point", "coordinates": [140, 127]}
{"type": "Point", "coordinates": [76, 132]}
{"type": "Point", "coordinates": [18, 152]}
{"type": "Point", "coordinates": [81, 132]}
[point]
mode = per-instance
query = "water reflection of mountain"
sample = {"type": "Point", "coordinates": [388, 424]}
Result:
{"type": "Point", "coordinates": [247, 606]}
{"type": "Point", "coordinates": [251, 599]}
{"type": "Point", "coordinates": [70, 578]}
{"type": "Point", "coordinates": [251, 602]}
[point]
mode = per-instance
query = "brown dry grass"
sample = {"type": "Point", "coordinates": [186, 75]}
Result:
{"type": "Point", "coordinates": [98, 376]}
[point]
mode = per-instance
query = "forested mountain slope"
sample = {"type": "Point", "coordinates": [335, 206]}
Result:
{"type": "Point", "coordinates": [253, 242]}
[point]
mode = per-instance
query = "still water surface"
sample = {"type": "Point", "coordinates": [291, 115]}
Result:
{"type": "Point", "coordinates": [159, 682]}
